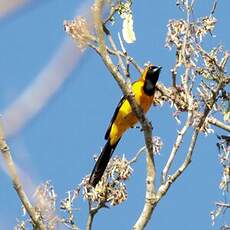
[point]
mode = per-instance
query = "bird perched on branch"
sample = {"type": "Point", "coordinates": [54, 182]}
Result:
{"type": "Point", "coordinates": [124, 118]}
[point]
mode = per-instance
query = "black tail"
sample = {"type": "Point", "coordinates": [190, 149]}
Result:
{"type": "Point", "coordinates": [102, 162]}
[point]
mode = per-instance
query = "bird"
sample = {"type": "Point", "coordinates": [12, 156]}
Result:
{"type": "Point", "coordinates": [124, 118]}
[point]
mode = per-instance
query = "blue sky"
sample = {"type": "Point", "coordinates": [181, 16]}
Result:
{"type": "Point", "coordinates": [58, 143]}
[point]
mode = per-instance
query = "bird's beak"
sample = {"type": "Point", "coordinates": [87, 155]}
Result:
{"type": "Point", "coordinates": [158, 69]}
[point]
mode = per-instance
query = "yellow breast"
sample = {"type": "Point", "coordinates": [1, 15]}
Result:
{"type": "Point", "coordinates": [126, 118]}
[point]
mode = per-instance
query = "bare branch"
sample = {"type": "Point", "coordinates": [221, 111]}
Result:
{"type": "Point", "coordinates": [90, 221]}
{"type": "Point", "coordinates": [126, 56]}
{"type": "Point", "coordinates": [110, 51]}
{"type": "Point", "coordinates": [135, 158]}
{"type": "Point", "coordinates": [224, 60]}
{"type": "Point", "coordinates": [214, 7]}
{"type": "Point", "coordinates": [225, 205]}
{"type": "Point", "coordinates": [92, 213]}
{"type": "Point", "coordinates": [120, 61]}
{"type": "Point", "coordinates": [164, 187]}
{"type": "Point", "coordinates": [219, 124]}
{"type": "Point", "coordinates": [35, 217]}
{"type": "Point", "coordinates": [113, 10]}
{"type": "Point", "coordinates": [150, 196]}
{"type": "Point", "coordinates": [176, 146]}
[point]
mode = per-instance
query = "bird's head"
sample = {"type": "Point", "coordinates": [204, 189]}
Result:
{"type": "Point", "coordinates": [151, 72]}
{"type": "Point", "coordinates": [150, 77]}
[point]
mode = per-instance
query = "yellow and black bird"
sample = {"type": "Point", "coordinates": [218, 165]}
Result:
{"type": "Point", "coordinates": [124, 118]}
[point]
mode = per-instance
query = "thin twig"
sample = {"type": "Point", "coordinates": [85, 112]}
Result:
{"type": "Point", "coordinates": [125, 55]}
{"type": "Point", "coordinates": [165, 187]}
{"type": "Point", "coordinates": [176, 146]}
{"type": "Point", "coordinates": [117, 53]}
{"type": "Point", "coordinates": [110, 51]}
{"type": "Point", "coordinates": [114, 9]}
{"type": "Point", "coordinates": [224, 60]}
{"type": "Point", "coordinates": [135, 158]}
{"type": "Point", "coordinates": [214, 7]}
{"type": "Point", "coordinates": [224, 205]}
{"type": "Point", "coordinates": [217, 123]}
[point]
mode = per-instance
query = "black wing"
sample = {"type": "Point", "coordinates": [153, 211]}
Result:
{"type": "Point", "coordinates": [114, 117]}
